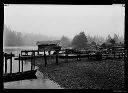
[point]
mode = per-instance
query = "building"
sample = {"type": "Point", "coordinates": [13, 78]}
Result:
{"type": "Point", "coordinates": [48, 45]}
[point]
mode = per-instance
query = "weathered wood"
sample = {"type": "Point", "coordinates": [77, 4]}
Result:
{"type": "Point", "coordinates": [19, 62]}
{"type": "Point", "coordinates": [34, 60]}
{"type": "Point", "coordinates": [22, 65]}
{"type": "Point", "coordinates": [45, 58]}
{"type": "Point", "coordinates": [49, 52]}
{"type": "Point", "coordinates": [11, 64]}
{"type": "Point", "coordinates": [5, 65]}
{"type": "Point", "coordinates": [30, 74]}
{"type": "Point", "coordinates": [31, 62]}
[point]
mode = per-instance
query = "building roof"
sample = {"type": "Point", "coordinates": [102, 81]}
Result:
{"type": "Point", "coordinates": [48, 42]}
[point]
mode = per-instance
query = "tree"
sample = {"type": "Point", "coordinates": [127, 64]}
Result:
{"type": "Point", "coordinates": [108, 39]}
{"type": "Point", "coordinates": [112, 41]}
{"type": "Point", "coordinates": [116, 38]}
{"type": "Point", "coordinates": [79, 41]}
{"type": "Point", "coordinates": [65, 42]}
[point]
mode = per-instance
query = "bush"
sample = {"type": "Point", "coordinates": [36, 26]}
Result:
{"type": "Point", "coordinates": [98, 56]}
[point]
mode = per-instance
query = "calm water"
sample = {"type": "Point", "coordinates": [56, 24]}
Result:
{"type": "Point", "coordinates": [42, 82]}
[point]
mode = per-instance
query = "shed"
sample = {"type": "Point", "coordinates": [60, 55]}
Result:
{"type": "Point", "coordinates": [48, 45]}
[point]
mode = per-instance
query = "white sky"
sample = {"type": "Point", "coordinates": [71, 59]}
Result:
{"type": "Point", "coordinates": [68, 20]}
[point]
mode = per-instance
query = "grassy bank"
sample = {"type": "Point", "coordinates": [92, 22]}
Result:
{"type": "Point", "coordinates": [85, 74]}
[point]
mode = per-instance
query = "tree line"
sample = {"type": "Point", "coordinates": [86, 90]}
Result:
{"type": "Point", "coordinates": [81, 40]}
{"type": "Point", "coordinates": [13, 38]}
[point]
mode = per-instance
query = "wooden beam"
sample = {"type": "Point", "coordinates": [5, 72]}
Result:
{"type": "Point", "coordinates": [45, 58]}
{"type": "Point", "coordinates": [11, 63]}
{"type": "Point", "coordinates": [22, 65]}
{"type": "Point", "coordinates": [5, 65]}
{"type": "Point", "coordinates": [19, 62]}
{"type": "Point", "coordinates": [31, 62]}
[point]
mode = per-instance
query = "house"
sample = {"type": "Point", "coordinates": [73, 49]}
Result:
{"type": "Point", "coordinates": [48, 45]}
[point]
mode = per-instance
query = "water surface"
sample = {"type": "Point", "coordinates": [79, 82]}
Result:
{"type": "Point", "coordinates": [42, 82]}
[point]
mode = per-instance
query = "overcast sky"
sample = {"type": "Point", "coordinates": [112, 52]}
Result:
{"type": "Point", "coordinates": [68, 20]}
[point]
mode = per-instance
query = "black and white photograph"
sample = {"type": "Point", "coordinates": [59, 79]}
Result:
{"type": "Point", "coordinates": [49, 46]}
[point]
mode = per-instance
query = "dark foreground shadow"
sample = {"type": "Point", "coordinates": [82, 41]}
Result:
{"type": "Point", "coordinates": [20, 76]}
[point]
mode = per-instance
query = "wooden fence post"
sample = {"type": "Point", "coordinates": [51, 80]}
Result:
{"type": "Point", "coordinates": [21, 53]}
{"type": "Point", "coordinates": [34, 60]}
{"type": "Point", "coordinates": [31, 61]}
{"type": "Point", "coordinates": [5, 64]}
{"type": "Point", "coordinates": [22, 64]}
{"type": "Point", "coordinates": [11, 63]}
{"type": "Point", "coordinates": [45, 59]}
{"type": "Point", "coordinates": [19, 62]}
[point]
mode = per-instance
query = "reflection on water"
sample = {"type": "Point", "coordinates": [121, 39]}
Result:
{"type": "Point", "coordinates": [42, 82]}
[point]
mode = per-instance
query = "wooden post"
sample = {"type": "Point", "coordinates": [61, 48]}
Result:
{"type": "Point", "coordinates": [11, 63]}
{"type": "Point", "coordinates": [31, 62]}
{"type": "Point", "coordinates": [38, 52]}
{"type": "Point", "coordinates": [66, 52]}
{"type": "Point", "coordinates": [22, 65]}
{"type": "Point", "coordinates": [19, 62]}
{"type": "Point", "coordinates": [34, 60]}
{"type": "Point", "coordinates": [57, 57]}
{"type": "Point", "coordinates": [49, 52]}
{"type": "Point", "coordinates": [21, 53]}
{"type": "Point", "coordinates": [5, 64]}
{"type": "Point", "coordinates": [45, 59]}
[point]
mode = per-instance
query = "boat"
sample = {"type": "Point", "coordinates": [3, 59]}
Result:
{"type": "Point", "coordinates": [30, 74]}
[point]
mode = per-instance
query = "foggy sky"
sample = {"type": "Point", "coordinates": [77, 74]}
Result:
{"type": "Point", "coordinates": [68, 20]}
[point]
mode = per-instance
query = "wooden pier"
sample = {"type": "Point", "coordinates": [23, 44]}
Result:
{"type": "Point", "coordinates": [18, 75]}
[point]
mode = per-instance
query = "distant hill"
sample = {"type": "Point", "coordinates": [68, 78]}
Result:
{"type": "Point", "coordinates": [13, 38]}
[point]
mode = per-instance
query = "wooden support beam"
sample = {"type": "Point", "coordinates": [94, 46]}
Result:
{"type": "Point", "coordinates": [22, 65]}
{"type": "Point", "coordinates": [19, 62]}
{"type": "Point", "coordinates": [21, 53]}
{"type": "Point", "coordinates": [34, 60]}
{"type": "Point", "coordinates": [11, 63]}
{"type": "Point", "coordinates": [5, 65]}
{"type": "Point", "coordinates": [31, 62]}
{"type": "Point", "coordinates": [45, 58]}
{"type": "Point", "coordinates": [49, 52]}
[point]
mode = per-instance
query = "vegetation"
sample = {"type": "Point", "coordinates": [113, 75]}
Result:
{"type": "Point", "coordinates": [86, 74]}
{"type": "Point", "coordinates": [13, 38]}
{"type": "Point", "coordinates": [65, 42]}
{"type": "Point", "coordinates": [79, 41]}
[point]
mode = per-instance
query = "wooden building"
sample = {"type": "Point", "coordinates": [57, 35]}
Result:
{"type": "Point", "coordinates": [48, 45]}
